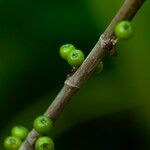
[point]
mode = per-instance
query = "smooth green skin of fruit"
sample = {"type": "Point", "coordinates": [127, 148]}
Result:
{"type": "Point", "coordinates": [12, 143]}
{"type": "Point", "coordinates": [44, 143]}
{"type": "Point", "coordinates": [43, 124]}
{"type": "Point", "coordinates": [100, 67]}
{"type": "Point", "coordinates": [65, 50]}
{"type": "Point", "coordinates": [20, 132]}
{"type": "Point", "coordinates": [75, 58]}
{"type": "Point", "coordinates": [123, 30]}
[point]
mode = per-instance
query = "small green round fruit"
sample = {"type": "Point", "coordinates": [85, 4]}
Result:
{"type": "Point", "coordinates": [12, 143]}
{"type": "Point", "coordinates": [65, 50]}
{"type": "Point", "coordinates": [43, 124]}
{"type": "Point", "coordinates": [123, 30]}
{"type": "Point", "coordinates": [100, 67]}
{"type": "Point", "coordinates": [44, 143]}
{"type": "Point", "coordinates": [20, 132]}
{"type": "Point", "coordinates": [75, 58]}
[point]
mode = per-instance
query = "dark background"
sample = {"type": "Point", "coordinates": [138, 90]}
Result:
{"type": "Point", "coordinates": [111, 111]}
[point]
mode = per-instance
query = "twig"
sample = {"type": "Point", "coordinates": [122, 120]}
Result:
{"type": "Point", "coordinates": [72, 85]}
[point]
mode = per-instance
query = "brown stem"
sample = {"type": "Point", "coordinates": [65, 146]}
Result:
{"type": "Point", "coordinates": [71, 86]}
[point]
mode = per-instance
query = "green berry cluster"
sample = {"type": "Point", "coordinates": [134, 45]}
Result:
{"type": "Point", "coordinates": [44, 143]}
{"type": "Point", "coordinates": [123, 29]}
{"type": "Point", "coordinates": [43, 125]}
{"type": "Point", "coordinates": [18, 134]}
{"type": "Point", "coordinates": [73, 56]}
{"type": "Point", "coordinates": [12, 143]}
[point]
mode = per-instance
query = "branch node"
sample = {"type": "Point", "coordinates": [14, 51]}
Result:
{"type": "Point", "coordinates": [68, 82]}
{"type": "Point", "coordinates": [107, 44]}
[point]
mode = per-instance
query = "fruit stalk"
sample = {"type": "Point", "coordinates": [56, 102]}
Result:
{"type": "Point", "coordinates": [71, 86]}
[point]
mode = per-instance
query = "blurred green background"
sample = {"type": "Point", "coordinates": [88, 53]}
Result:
{"type": "Point", "coordinates": [111, 111]}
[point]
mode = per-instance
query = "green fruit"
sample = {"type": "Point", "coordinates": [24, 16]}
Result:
{"type": "Point", "coordinates": [12, 143]}
{"type": "Point", "coordinates": [123, 30]}
{"type": "Point", "coordinates": [100, 67]}
{"type": "Point", "coordinates": [65, 50]}
{"type": "Point", "coordinates": [20, 132]}
{"type": "Point", "coordinates": [43, 124]}
{"type": "Point", "coordinates": [44, 143]}
{"type": "Point", "coordinates": [75, 58]}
